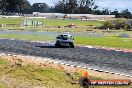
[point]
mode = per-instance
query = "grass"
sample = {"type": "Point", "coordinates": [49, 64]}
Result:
{"type": "Point", "coordinates": [3, 62]}
{"type": "Point", "coordinates": [117, 42]}
{"type": "Point", "coordinates": [3, 85]}
{"type": "Point", "coordinates": [46, 29]}
{"type": "Point", "coordinates": [105, 41]}
{"type": "Point", "coordinates": [51, 22]}
{"type": "Point", "coordinates": [76, 22]}
{"type": "Point", "coordinates": [31, 76]}
{"type": "Point", "coordinates": [10, 21]}
{"type": "Point", "coordinates": [28, 37]}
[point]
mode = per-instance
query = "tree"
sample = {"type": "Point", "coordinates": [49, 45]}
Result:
{"type": "Point", "coordinates": [98, 12]}
{"type": "Point", "coordinates": [72, 6]}
{"type": "Point", "coordinates": [116, 13]}
{"type": "Point", "coordinates": [24, 7]}
{"type": "Point", "coordinates": [51, 9]}
{"type": "Point", "coordinates": [15, 6]}
{"type": "Point", "coordinates": [106, 12]}
{"type": "Point", "coordinates": [108, 24]}
{"type": "Point", "coordinates": [40, 7]}
{"type": "Point", "coordinates": [126, 14]}
{"type": "Point", "coordinates": [3, 5]}
{"type": "Point", "coordinates": [61, 6]}
{"type": "Point", "coordinates": [76, 6]}
{"type": "Point", "coordinates": [87, 7]}
{"type": "Point", "coordinates": [66, 6]}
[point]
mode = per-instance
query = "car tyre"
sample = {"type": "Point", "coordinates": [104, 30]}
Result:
{"type": "Point", "coordinates": [71, 45]}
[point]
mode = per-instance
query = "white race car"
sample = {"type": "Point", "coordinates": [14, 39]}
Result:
{"type": "Point", "coordinates": [64, 40]}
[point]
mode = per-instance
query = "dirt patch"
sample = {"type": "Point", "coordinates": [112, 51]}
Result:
{"type": "Point", "coordinates": [47, 62]}
{"type": "Point", "coordinates": [16, 72]}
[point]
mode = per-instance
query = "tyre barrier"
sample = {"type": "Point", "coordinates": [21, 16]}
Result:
{"type": "Point", "coordinates": [106, 71]}
{"type": "Point", "coordinates": [100, 70]}
{"type": "Point", "coordinates": [73, 65]}
{"type": "Point", "coordinates": [117, 73]}
{"type": "Point", "coordinates": [90, 68]}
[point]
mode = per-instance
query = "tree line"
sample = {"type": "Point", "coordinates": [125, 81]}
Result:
{"type": "Point", "coordinates": [62, 6]}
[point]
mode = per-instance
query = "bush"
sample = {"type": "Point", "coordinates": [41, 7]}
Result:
{"type": "Point", "coordinates": [116, 24]}
{"type": "Point", "coordinates": [108, 24]}
{"type": "Point", "coordinates": [121, 24]}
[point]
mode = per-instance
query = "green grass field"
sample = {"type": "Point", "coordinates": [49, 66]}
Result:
{"type": "Point", "coordinates": [105, 41]}
{"type": "Point", "coordinates": [32, 76]}
{"type": "Point", "coordinates": [94, 41]}
{"type": "Point", "coordinates": [76, 22]}
{"type": "Point", "coordinates": [28, 37]}
{"type": "Point", "coordinates": [10, 21]}
{"type": "Point", "coordinates": [51, 22]}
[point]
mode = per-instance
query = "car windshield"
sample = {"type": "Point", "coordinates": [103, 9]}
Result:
{"type": "Point", "coordinates": [65, 37]}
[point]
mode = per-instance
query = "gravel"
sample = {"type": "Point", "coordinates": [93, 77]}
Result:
{"type": "Point", "coordinates": [118, 62]}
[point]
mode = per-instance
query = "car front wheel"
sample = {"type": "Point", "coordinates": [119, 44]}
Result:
{"type": "Point", "coordinates": [71, 45]}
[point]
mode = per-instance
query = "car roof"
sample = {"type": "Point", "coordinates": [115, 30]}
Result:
{"type": "Point", "coordinates": [67, 34]}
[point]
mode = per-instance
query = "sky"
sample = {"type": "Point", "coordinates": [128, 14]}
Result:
{"type": "Point", "coordinates": [115, 4]}
{"type": "Point", "coordinates": [110, 4]}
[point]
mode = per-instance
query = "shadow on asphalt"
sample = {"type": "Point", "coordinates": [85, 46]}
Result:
{"type": "Point", "coordinates": [46, 46]}
{"type": "Point", "coordinates": [49, 47]}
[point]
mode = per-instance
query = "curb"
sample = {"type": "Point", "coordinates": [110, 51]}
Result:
{"type": "Point", "coordinates": [71, 65]}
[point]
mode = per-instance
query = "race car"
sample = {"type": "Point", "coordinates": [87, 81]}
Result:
{"type": "Point", "coordinates": [65, 40]}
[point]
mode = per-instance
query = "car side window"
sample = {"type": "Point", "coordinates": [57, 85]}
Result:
{"type": "Point", "coordinates": [59, 37]}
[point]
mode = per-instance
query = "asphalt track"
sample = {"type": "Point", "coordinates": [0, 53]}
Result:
{"type": "Point", "coordinates": [119, 62]}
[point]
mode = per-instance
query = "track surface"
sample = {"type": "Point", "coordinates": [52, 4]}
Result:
{"type": "Point", "coordinates": [96, 58]}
